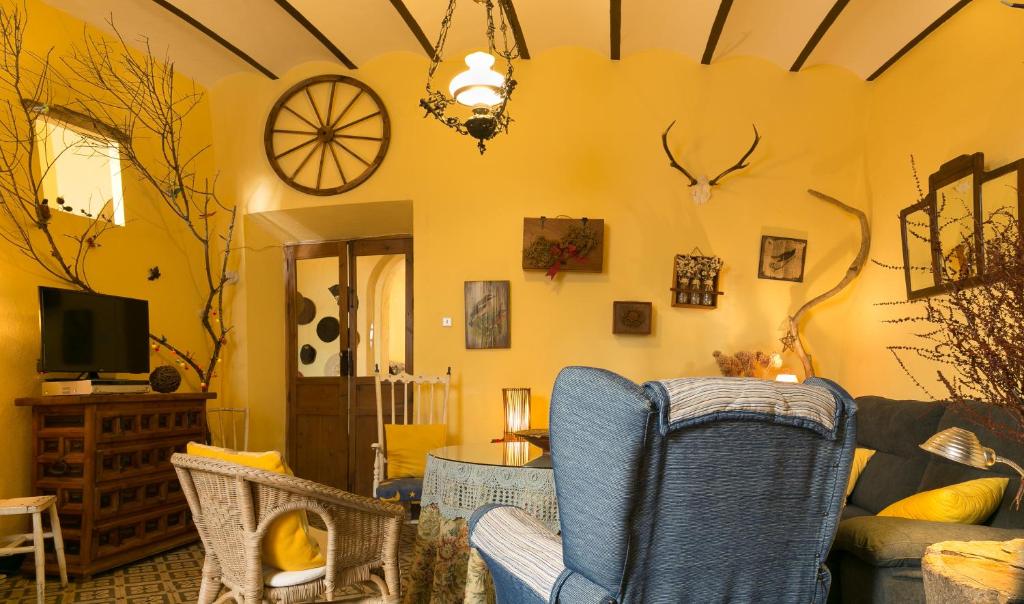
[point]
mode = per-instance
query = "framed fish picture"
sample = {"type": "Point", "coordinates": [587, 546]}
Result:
{"type": "Point", "coordinates": [488, 323]}
{"type": "Point", "coordinates": [782, 258]}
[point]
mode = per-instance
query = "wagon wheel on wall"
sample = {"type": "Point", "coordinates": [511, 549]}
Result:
{"type": "Point", "coordinates": [327, 134]}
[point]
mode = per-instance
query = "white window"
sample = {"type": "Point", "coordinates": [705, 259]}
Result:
{"type": "Point", "coordinates": [80, 168]}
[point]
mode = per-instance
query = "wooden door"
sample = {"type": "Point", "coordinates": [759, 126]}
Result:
{"type": "Point", "coordinates": [318, 361]}
{"type": "Point", "coordinates": [381, 274]}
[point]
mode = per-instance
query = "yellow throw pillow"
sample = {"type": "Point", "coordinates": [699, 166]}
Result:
{"type": "Point", "coordinates": [860, 459]}
{"type": "Point", "coordinates": [407, 447]}
{"type": "Point", "coordinates": [969, 502]}
{"type": "Point", "coordinates": [287, 544]}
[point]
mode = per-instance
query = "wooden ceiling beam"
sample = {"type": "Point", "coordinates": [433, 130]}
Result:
{"type": "Point", "coordinates": [414, 27]}
{"type": "Point", "coordinates": [917, 39]}
{"type": "Point", "coordinates": [238, 52]}
{"type": "Point", "coordinates": [716, 31]}
{"type": "Point", "coordinates": [517, 29]}
{"type": "Point", "coordinates": [315, 32]}
{"type": "Point", "coordinates": [615, 20]}
{"type": "Point", "coordinates": [819, 33]}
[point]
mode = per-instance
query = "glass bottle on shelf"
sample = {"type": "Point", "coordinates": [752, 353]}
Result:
{"type": "Point", "coordinates": [709, 283]}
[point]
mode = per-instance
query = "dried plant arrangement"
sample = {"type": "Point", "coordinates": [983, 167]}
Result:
{"type": "Point", "coordinates": [130, 98]}
{"type": "Point", "coordinates": [973, 333]}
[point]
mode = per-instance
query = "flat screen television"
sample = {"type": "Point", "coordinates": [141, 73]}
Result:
{"type": "Point", "coordinates": [92, 333]}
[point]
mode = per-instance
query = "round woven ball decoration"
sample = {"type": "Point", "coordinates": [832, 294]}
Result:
{"type": "Point", "coordinates": [165, 378]}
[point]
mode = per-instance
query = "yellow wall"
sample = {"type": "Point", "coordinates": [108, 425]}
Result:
{"type": "Point", "coordinates": [958, 92]}
{"type": "Point", "coordinates": [120, 266]}
{"type": "Point", "coordinates": [585, 143]}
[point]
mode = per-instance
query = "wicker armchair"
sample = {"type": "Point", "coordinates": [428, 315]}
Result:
{"type": "Point", "coordinates": [233, 505]}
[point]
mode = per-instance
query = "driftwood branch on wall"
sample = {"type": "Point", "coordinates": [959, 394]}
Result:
{"type": "Point", "coordinates": [851, 273]}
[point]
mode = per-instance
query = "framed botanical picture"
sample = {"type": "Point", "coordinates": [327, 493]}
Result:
{"type": "Point", "coordinates": [631, 318]}
{"type": "Point", "coordinates": [782, 258]}
{"type": "Point", "coordinates": [488, 322]}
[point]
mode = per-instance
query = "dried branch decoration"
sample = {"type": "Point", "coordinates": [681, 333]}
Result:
{"type": "Point", "coordinates": [792, 337]}
{"type": "Point", "coordinates": [128, 97]}
{"type": "Point", "coordinates": [974, 336]}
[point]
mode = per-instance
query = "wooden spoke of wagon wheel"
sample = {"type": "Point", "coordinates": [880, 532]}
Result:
{"type": "Point", "coordinates": [337, 163]}
{"type": "Point", "coordinates": [345, 148]}
{"type": "Point", "coordinates": [295, 148]}
{"type": "Point", "coordinates": [296, 114]}
{"type": "Point", "coordinates": [306, 159]}
{"type": "Point", "coordinates": [345, 110]}
{"type": "Point", "coordinates": [354, 122]}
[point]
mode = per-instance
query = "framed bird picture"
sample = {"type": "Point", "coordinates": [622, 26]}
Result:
{"type": "Point", "coordinates": [782, 258]}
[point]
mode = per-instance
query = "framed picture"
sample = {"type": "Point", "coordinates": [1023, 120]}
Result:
{"type": "Point", "coordinates": [488, 322]}
{"type": "Point", "coordinates": [631, 318]}
{"type": "Point", "coordinates": [563, 245]}
{"type": "Point", "coordinates": [782, 258]}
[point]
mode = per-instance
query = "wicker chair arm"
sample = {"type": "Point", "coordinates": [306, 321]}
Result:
{"type": "Point", "coordinates": [292, 484]}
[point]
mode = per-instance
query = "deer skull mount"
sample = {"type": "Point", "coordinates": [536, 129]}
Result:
{"type": "Point", "coordinates": [702, 185]}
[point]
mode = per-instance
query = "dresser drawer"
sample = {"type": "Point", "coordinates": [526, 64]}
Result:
{"type": "Point", "coordinates": [137, 422]}
{"type": "Point", "coordinates": [129, 460]}
{"type": "Point", "coordinates": [129, 532]}
{"type": "Point", "coordinates": [139, 494]}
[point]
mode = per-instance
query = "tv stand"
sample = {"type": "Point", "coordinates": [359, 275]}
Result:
{"type": "Point", "coordinates": [106, 458]}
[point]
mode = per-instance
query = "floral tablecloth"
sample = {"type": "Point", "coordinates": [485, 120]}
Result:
{"type": "Point", "coordinates": [444, 569]}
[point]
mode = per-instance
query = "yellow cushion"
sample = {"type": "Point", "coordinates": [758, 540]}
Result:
{"type": "Point", "coordinates": [287, 544]}
{"type": "Point", "coordinates": [969, 502]}
{"type": "Point", "coordinates": [407, 447]}
{"type": "Point", "coordinates": [860, 459]}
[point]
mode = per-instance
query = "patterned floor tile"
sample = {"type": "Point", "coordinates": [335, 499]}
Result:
{"type": "Point", "coordinates": [170, 578]}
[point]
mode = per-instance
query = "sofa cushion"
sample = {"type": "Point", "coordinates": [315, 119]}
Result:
{"type": "Point", "coordinates": [852, 511]}
{"type": "Point", "coordinates": [970, 502]}
{"type": "Point", "coordinates": [989, 423]}
{"type": "Point", "coordinates": [894, 429]}
{"type": "Point", "coordinates": [888, 541]}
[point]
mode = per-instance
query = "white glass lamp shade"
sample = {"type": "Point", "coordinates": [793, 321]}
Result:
{"type": "Point", "coordinates": [479, 85]}
{"type": "Point", "coordinates": [962, 446]}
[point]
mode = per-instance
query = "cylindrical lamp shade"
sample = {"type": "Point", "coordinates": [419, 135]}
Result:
{"type": "Point", "coordinates": [517, 411]}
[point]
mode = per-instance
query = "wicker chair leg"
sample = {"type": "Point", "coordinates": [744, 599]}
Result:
{"type": "Point", "coordinates": [210, 586]}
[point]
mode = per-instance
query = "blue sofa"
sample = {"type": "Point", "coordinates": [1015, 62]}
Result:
{"type": "Point", "coordinates": [701, 490]}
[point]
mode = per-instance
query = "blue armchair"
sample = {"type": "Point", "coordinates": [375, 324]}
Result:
{"type": "Point", "coordinates": [688, 490]}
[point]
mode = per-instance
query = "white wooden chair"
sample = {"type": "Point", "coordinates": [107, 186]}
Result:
{"type": "Point", "coordinates": [428, 396]}
{"type": "Point", "coordinates": [12, 544]}
{"type": "Point", "coordinates": [230, 435]}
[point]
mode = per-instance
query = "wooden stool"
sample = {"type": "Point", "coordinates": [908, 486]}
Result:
{"type": "Point", "coordinates": [11, 544]}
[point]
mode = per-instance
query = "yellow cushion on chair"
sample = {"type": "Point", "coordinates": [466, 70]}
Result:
{"type": "Point", "coordinates": [407, 447]}
{"type": "Point", "coordinates": [287, 544]}
{"type": "Point", "coordinates": [969, 502]}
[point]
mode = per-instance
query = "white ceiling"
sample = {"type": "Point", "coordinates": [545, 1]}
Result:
{"type": "Point", "coordinates": [866, 34]}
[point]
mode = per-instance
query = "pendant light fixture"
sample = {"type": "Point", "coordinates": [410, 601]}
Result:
{"type": "Point", "coordinates": [477, 97]}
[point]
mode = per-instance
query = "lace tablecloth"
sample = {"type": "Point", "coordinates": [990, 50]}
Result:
{"type": "Point", "coordinates": [443, 568]}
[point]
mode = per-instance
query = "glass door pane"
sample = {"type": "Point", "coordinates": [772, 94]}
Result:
{"type": "Point", "coordinates": [320, 323]}
{"type": "Point", "coordinates": [380, 334]}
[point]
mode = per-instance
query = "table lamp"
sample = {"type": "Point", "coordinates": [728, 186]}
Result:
{"type": "Point", "coordinates": [517, 411]}
{"type": "Point", "coordinates": [963, 446]}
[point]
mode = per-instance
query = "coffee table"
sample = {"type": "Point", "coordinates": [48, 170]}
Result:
{"type": "Point", "coordinates": [458, 480]}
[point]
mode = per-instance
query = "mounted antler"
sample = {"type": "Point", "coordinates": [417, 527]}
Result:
{"type": "Point", "coordinates": [671, 158]}
{"type": "Point", "coordinates": [703, 191]}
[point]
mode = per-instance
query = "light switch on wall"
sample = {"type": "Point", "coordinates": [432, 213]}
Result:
{"type": "Point", "coordinates": [446, 321]}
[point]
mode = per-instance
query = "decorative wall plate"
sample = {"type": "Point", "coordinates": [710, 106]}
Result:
{"type": "Point", "coordinates": [327, 134]}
